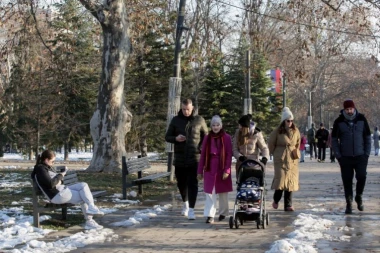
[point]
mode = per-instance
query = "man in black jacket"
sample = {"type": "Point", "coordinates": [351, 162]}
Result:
{"type": "Point", "coordinates": [351, 141]}
{"type": "Point", "coordinates": [187, 131]}
{"type": "Point", "coordinates": [322, 135]}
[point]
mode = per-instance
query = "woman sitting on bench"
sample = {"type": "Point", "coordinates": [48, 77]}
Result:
{"type": "Point", "coordinates": [51, 184]}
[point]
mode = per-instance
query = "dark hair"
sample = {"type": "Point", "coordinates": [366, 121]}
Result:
{"type": "Point", "coordinates": [187, 101]}
{"type": "Point", "coordinates": [282, 130]}
{"type": "Point", "coordinates": [47, 154]}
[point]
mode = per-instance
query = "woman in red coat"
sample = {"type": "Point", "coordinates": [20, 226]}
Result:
{"type": "Point", "coordinates": [215, 168]}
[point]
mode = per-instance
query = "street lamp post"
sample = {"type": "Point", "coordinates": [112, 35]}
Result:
{"type": "Point", "coordinates": [309, 117]}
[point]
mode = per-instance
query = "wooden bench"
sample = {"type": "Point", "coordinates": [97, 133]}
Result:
{"type": "Point", "coordinates": [70, 178]}
{"type": "Point", "coordinates": [137, 166]}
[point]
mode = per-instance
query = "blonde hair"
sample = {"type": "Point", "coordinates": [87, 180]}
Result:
{"type": "Point", "coordinates": [243, 136]}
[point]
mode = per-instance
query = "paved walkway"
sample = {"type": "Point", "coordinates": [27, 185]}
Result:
{"type": "Point", "coordinates": [320, 183]}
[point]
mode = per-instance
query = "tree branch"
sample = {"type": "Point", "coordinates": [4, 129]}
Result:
{"type": "Point", "coordinates": [96, 8]}
{"type": "Point", "coordinates": [37, 29]}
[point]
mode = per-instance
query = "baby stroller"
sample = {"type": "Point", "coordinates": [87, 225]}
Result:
{"type": "Point", "coordinates": [250, 198]}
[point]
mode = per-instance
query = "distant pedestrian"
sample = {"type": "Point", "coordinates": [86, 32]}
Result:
{"type": "Point", "coordinates": [322, 135]}
{"type": "Point", "coordinates": [284, 144]}
{"type": "Point", "coordinates": [376, 136]}
{"type": "Point", "coordinates": [351, 141]}
{"type": "Point", "coordinates": [329, 144]}
{"type": "Point", "coordinates": [215, 168]}
{"type": "Point", "coordinates": [186, 131]}
{"type": "Point", "coordinates": [311, 140]}
{"type": "Point", "coordinates": [303, 147]}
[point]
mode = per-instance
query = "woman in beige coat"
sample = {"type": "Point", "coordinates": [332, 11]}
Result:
{"type": "Point", "coordinates": [248, 143]}
{"type": "Point", "coordinates": [282, 141]}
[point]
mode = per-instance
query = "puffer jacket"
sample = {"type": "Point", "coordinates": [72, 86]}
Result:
{"type": "Point", "coordinates": [251, 150]}
{"type": "Point", "coordinates": [194, 127]}
{"type": "Point", "coordinates": [351, 138]}
{"type": "Point", "coordinates": [47, 178]}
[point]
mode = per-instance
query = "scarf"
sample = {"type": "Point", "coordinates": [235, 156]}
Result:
{"type": "Point", "coordinates": [348, 117]}
{"type": "Point", "coordinates": [215, 136]}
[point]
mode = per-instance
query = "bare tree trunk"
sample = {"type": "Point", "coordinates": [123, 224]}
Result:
{"type": "Point", "coordinates": [111, 120]}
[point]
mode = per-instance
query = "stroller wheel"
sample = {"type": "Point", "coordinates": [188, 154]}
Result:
{"type": "Point", "coordinates": [236, 223]}
{"type": "Point", "coordinates": [231, 222]}
{"type": "Point", "coordinates": [267, 218]}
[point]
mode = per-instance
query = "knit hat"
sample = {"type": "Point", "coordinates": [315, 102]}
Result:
{"type": "Point", "coordinates": [286, 114]}
{"type": "Point", "coordinates": [321, 124]}
{"type": "Point", "coordinates": [245, 120]}
{"type": "Point", "coordinates": [348, 104]}
{"type": "Point", "coordinates": [216, 120]}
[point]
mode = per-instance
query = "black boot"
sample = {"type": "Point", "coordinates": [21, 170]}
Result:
{"type": "Point", "coordinates": [359, 202]}
{"type": "Point", "coordinates": [348, 205]}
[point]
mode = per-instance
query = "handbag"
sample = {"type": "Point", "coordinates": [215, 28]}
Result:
{"type": "Point", "coordinates": [294, 154]}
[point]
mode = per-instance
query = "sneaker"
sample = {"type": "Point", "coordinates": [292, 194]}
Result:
{"type": "Point", "coordinates": [221, 217]}
{"type": "Point", "coordinates": [319, 160]}
{"type": "Point", "coordinates": [91, 224]}
{"type": "Point", "coordinates": [289, 209]}
{"type": "Point", "coordinates": [191, 214]}
{"type": "Point", "coordinates": [185, 208]}
{"type": "Point", "coordinates": [210, 220]}
{"type": "Point", "coordinates": [275, 205]}
{"type": "Point", "coordinates": [94, 210]}
{"type": "Point", "coordinates": [359, 202]}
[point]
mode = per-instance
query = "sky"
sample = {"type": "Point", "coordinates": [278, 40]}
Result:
{"type": "Point", "coordinates": [17, 234]}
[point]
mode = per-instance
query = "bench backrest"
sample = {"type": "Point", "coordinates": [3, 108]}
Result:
{"type": "Point", "coordinates": [134, 165]}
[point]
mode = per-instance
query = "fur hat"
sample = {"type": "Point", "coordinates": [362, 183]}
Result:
{"type": "Point", "coordinates": [245, 120]}
{"type": "Point", "coordinates": [348, 104]}
{"type": "Point", "coordinates": [216, 120]}
{"type": "Point", "coordinates": [286, 114]}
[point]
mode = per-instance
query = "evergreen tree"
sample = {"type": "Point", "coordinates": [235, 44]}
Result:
{"type": "Point", "coordinates": [265, 102]}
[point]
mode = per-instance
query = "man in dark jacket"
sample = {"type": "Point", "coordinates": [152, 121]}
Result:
{"type": "Point", "coordinates": [187, 131]}
{"type": "Point", "coordinates": [322, 135]}
{"type": "Point", "coordinates": [311, 140]}
{"type": "Point", "coordinates": [351, 141]}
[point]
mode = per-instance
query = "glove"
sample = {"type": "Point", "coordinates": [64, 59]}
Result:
{"type": "Point", "coordinates": [242, 158]}
{"type": "Point", "coordinates": [225, 175]}
{"type": "Point", "coordinates": [264, 160]}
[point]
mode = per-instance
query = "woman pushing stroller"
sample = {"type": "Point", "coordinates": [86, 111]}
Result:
{"type": "Point", "coordinates": [249, 143]}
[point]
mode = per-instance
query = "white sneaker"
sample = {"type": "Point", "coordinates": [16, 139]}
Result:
{"type": "Point", "coordinates": [94, 210]}
{"type": "Point", "coordinates": [91, 224]}
{"type": "Point", "coordinates": [185, 208]}
{"type": "Point", "coordinates": [191, 214]}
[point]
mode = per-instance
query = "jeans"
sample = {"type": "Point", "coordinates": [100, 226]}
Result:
{"type": "Point", "coordinates": [322, 152]}
{"type": "Point", "coordinates": [302, 155]}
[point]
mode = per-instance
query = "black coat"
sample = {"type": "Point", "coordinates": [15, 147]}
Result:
{"type": "Point", "coordinates": [351, 138]}
{"type": "Point", "coordinates": [186, 153]}
{"type": "Point", "coordinates": [322, 135]}
{"type": "Point", "coordinates": [47, 179]}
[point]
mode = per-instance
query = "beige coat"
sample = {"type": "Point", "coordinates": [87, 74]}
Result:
{"type": "Point", "coordinates": [251, 150]}
{"type": "Point", "coordinates": [286, 173]}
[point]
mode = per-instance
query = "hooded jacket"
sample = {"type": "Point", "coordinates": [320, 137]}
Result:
{"type": "Point", "coordinates": [351, 138]}
{"type": "Point", "coordinates": [194, 127]}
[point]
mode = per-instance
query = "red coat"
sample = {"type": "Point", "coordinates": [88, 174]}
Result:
{"type": "Point", "coordinates": [214, 177]}
{"type": "Point", "coordinates": [303, 143]}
